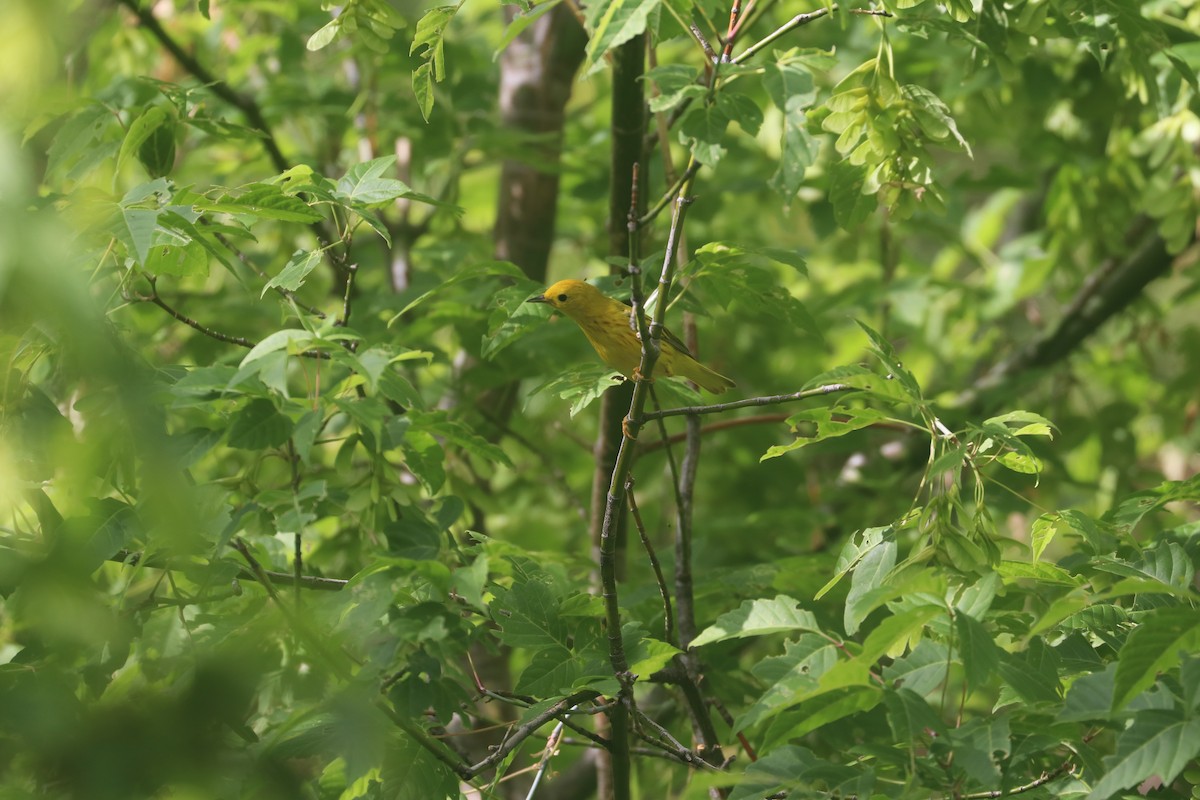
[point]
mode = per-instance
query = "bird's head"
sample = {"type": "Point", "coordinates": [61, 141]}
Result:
{"type": "Point", "coordinates": [570, 297]}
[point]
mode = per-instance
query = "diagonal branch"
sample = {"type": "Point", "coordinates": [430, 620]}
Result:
{"type": "Point", "coordinates": [1103, 295]}
{"type": "Point", "coordinates": [218, 87]}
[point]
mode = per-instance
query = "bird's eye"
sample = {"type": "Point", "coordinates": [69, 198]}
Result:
{"type": "Point", "coordinates": [562, 298]}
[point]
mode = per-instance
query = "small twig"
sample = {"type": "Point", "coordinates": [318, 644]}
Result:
{"type": "Point", "coordinates": [650, 752]}
{"type": "Point", "coordinates": [703, 42]}
{"type": "Point", "coordinates": [735, 15]}
{"type": "Point", "coordinates": [670, 744]}
{"type": "Point", "coordinates": [351, 271]}
{"type": "Point", "coordinates": [240, 341]}
{"type": "Point", "coordinates": [769, 400]}
{"type": "Point", "coordinates": [761, 419]}
{"type": "Point", "coordinates": [668, 619]}
{"type": "Point", "coordinates": [796, 22]}
{"type": "Point", "coordinates": [523, 731]}
{"type": "Point", "coordinates": [1044, 778]}
{"type": "Point", "coordinates": [153, 297]}
{"type": "Point", "coordinates": [668, 196]}
{"type": "Point", "coordinates": [725, 715]}
{"type": "Point", "coordinates": [306, 581]}
{"type": "Point", "coordinates": [551, 749]}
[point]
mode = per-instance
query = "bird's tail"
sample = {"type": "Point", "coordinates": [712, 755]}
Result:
{"type": "Point", "coordinates": [706, 378]}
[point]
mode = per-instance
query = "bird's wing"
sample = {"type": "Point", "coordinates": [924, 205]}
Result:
{"type": "Point", "coordinates": [676, 342]}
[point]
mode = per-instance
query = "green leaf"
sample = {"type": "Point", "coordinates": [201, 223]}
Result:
{"type": "Point", "coordinates": [851, 205]}
{"type": "Point", "coordinates": [521, 21]}
{"type": "Point", "coordinates": [612, 23]}
{"type": "Point", "coordinates": [365, 183]}
{"type": "Point", "coordinates": [758, 618]}
{"type": "Point", "coordinates": [1131, 510]}
{"type": "Point", "coordinates": [1158, 744]}
{"type": "Point", "coordinates": [457, 433]}
{"type": "Point", "coordinates": [294, 339]}
{"type": "Point", "coordinates": [511, 318]}
{"type": "Point", "coordinates": [852, 553]}
{"type": "Point", "coordinates": [140, 131]}
{"type": "Point", "coordinates": [1090, 697]}
{"type": "Point", "coordinates": [468, 273]}
{"type": "Point", "coordinates": [528, 615]}
{"type": "Point", "coordinates": [887, 356]}
{"type": "Point", "coordinates": [790, 86]}
{"type": "Point", "coordinates": [582, 384]}
{"type": "Point", "coordinates": [781, 767]}
{"type": "Point", "coordinates": [923, 670]}
{"type": "Point", "coordinates": [414, 772]}
{"type": "Point", "coordinates": [263, 201]}
{"type": "Point", "coordinates": [429, 38]}
{"type": "Point", "coordinates": [1026, 422]}
{"type": "Point", "coordinates": [820, 711]}
{"type": "Point", "coordinates": [933, 116]}
{"type": "Point", "coordinates": [1034, 680]}
{"type": "Point", "coordinates": [550, 672]}
{"type": "Point", "coordinates": [136, 218]}
{"type": "Point", "coordinates": [742, 110]}
{"type": "Point", "coordinates": [1155, 646]}
{"type": "Point", "coordinates": [911, 719]}
{"type": "Point", "coordinates": [830, 423]}
{"type": "Point", "coordinates": [676, 83]}
{"type": "Point", "coordinates": [873, 568]}
{"type": "Point", "coordinates": [325, 35]}
{"type": "Point", "coordinates": [703, 127]}
{"type": "Point", "coordinates": [189, 260]}
{"type": "Point", "coordinates": [292, 276]}
{"type": "Point", "coordinates": [647, 655]}
{"type": "Point", "coordinates": [894, 630]}
{"type": "Point", "coordinates": [791, 678]}
{"type": "Point", "coordinates": [978, 650]}
{"type": "Point", "coordinates": [259, 426]}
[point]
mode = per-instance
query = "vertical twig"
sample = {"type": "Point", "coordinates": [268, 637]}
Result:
{"type": "Point", "coordinates": [668, 617]}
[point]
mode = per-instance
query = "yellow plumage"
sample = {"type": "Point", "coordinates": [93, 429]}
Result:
{"type": "Point", "coordinates": [606, 324]}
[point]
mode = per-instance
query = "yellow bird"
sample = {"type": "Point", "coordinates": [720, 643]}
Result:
{"type": "Point", "coordinates": [606, 324]}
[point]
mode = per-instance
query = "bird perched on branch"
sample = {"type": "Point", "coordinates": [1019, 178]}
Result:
{"type": "Point", "coordinates": [606, 323]}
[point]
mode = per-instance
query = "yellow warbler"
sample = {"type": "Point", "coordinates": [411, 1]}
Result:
{"type": "Point", "coordinates": [606, 324]}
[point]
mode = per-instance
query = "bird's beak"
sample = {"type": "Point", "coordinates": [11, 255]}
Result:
{"type": "Point", "coordinates": [538, 298]}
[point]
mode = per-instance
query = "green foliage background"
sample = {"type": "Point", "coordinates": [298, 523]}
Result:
{"type": "Point", "coordinates": [254, 334]}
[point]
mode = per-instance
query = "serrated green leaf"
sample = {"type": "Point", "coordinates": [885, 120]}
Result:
{"type": "Point", "coordinates": [1158, 744]}
{"type": "Point", "coordinates": [703, 128]}
{"type": "Point", "coordinates": [292, 276]}
{"type": "Point", "coordinates": [259, 426]}
{"type": "Point", "coordinates": [366, 184]}
{"type": "Point", "coordinates": [1154, 646]}
{"type": "Point", "coordinates": [582, 384]}
{"type": "Point", "coordinates": [613, 23]}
